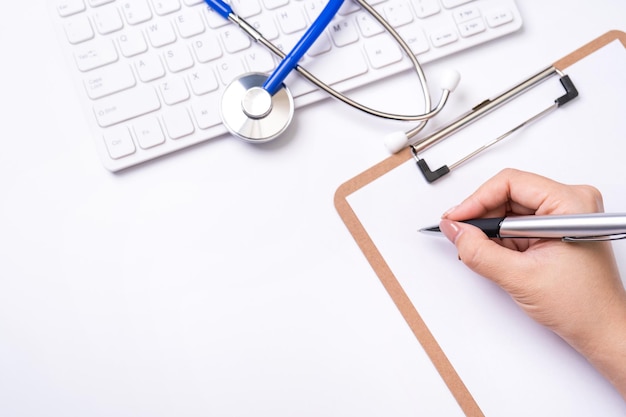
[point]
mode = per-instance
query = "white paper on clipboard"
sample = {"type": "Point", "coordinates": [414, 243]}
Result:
{"type": "Point", "coordinates": [508, 364]}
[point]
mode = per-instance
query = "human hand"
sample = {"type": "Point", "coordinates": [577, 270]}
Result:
{"type": "Point", "coordinates": [572, 288]}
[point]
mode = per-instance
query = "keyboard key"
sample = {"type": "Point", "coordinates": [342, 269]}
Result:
{"type": "Point", "coordinates": [213, 19]}
{"type": "Point", "coordinates": [163, 7]}
{"type": "Point", "coordinates": [449, 4]}
{"type": "Point", "coordinates": [230, 68]}
{"type": "Point", "coordinates": [382, 51]}
{"type": "Point", "coordinates": [96, 3]}
{"type": "Point", "coordinates": [108, 80]}
{"type": "Point", "coordinates": [498, 17]}
{"type": "Point", "coordinates": [161, 34]}
{"type": "Point", "coordinates": [368, 26]}
{"type": "Point", "coordinates": [206, 48]}
{"type": "Point", "coordinates": [149, 68]}
{"type": "Point", "coordinates": [320, 46]}
{"type": "Point", "coordinates": [178, 58]}
{"type": "Point", "coordinates": [154, 70]}
{"type": "Point", "coordinates": [107, 20]}
{"type": "Point", "coordinates": [126, 105]}
{"type": "Point", "coordinates": [333, 74]}
{"type": "Point", "coordinates": [132, 43]}
{"type": "Point", "coordinates": [246, 8]}
{"type": "Point", "coordinates": [78, 29]}
{"type": "Point", "coordinates": [344, 33]}
{"type": "Point", "coordinates": [136, 11]}
{"type": "Point", "coordinates": [119, 142]}
{"type": "Point", "coordinates": [444, 37]}
{"type": "Point", "coordinates": [94, 54]}
{"type": "Point", "coordinates": [313, 8]}
{"type": "Point", "coordinates": [465, 14]}
{"type": "Point", "coordinates": [259, 60]}
{"type": "Point", "coordinates": [298, 85]}
{"type": "Point", "coordinates": [202, 80]}
{"type": "Point", "coordinates": [69, 7]}
{"type": "Point", "coordinates": [291, 19]}
{"type": "Point", "coordinates": [415, 38]}
{"type": "Point", "coordinates": [173, 90]}
{"type": "Point", "coordinates": [398, 14]}
{"type": "Point", "coordinates": [235, 40]}
{"type": "Point", "coordinates": [472, 27]}
{"type": "Point", "coordinates": [206, 111]}
{"type": "Point", "coordinates": [426, 8]}
{"type": "Point", "coordinates": [274, 4]}
{"type": "Point", "coordinates": [265, 24]}
{"type": "Point", "coordinates": [348, 7]}
{"type": "Point", "coordinates": [177, 122]}
{"type": "Point", "coordinates": [148, 132]}
{"type": "Point", "coordinates": [189, 24]}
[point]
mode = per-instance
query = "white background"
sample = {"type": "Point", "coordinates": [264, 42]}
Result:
{"type": "Point", "coordinates": [219, 280]}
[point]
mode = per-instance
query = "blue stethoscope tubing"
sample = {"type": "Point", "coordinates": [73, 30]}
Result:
{"type": "Point", "coordinates": [290, 62]}
{"type": "Point", "coordinates": [273, 84]}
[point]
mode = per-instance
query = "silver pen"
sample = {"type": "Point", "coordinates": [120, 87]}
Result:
{"type": "Point", "coordinates": [572, 227]}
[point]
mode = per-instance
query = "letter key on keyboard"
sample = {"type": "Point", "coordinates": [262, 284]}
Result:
{"type": "Point", "coordinates": [151, 72]}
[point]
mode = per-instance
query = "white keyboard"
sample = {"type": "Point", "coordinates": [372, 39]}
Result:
{"type": "Point", "coordinates": [150, 73]}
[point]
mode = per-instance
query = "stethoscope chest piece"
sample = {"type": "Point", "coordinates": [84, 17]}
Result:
{"type": "Point", "coordinates": [249, 112]}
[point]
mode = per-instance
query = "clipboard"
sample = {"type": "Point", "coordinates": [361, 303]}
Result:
{"type": "Point", "coordinates": [387, 271]}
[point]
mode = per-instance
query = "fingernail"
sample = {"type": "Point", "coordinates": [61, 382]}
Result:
{"type": "Point", "coordinates": [450, 229]}
{"type": "Point", "coordinates": [447, 212]}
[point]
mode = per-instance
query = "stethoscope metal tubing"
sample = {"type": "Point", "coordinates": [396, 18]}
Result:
{"type": "Point", "coordinates": [258, 37]}
{"type": "Point", "coordinates": [482, 109]}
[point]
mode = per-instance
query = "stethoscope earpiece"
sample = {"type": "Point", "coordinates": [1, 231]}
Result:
{"type": "Point", "coordinates": [249, 111]}
{"type": "Point", "coordinates": [396, 141]}
{"type": "Point", "coordinates": [450, 80]}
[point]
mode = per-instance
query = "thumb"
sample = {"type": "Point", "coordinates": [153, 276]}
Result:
{"type": "Point", "coordinates": [481, 254]}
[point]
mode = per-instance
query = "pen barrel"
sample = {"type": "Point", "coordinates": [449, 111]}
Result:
{"type": "Point", "coordinates": [565, 226]}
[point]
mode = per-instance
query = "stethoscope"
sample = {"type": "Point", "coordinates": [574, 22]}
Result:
{"type": "Point", "coordinates": [258, 108]}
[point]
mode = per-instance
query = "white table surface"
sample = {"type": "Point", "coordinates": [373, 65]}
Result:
{"type": "Point", "coordinates": [218, 281]}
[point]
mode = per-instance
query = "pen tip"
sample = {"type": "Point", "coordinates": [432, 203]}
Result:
{"type": "Point", "coordinates": [432, 229]}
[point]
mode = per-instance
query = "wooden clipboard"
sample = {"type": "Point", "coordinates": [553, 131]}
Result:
{"type": "Point", "coordinates": [391, 284]}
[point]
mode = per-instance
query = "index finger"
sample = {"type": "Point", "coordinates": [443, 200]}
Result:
{"type": "Point", "coordinates": [520, 192]}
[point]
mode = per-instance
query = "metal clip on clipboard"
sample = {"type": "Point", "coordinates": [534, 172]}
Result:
{"type": "Point", "coordinates": [481, 110]}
